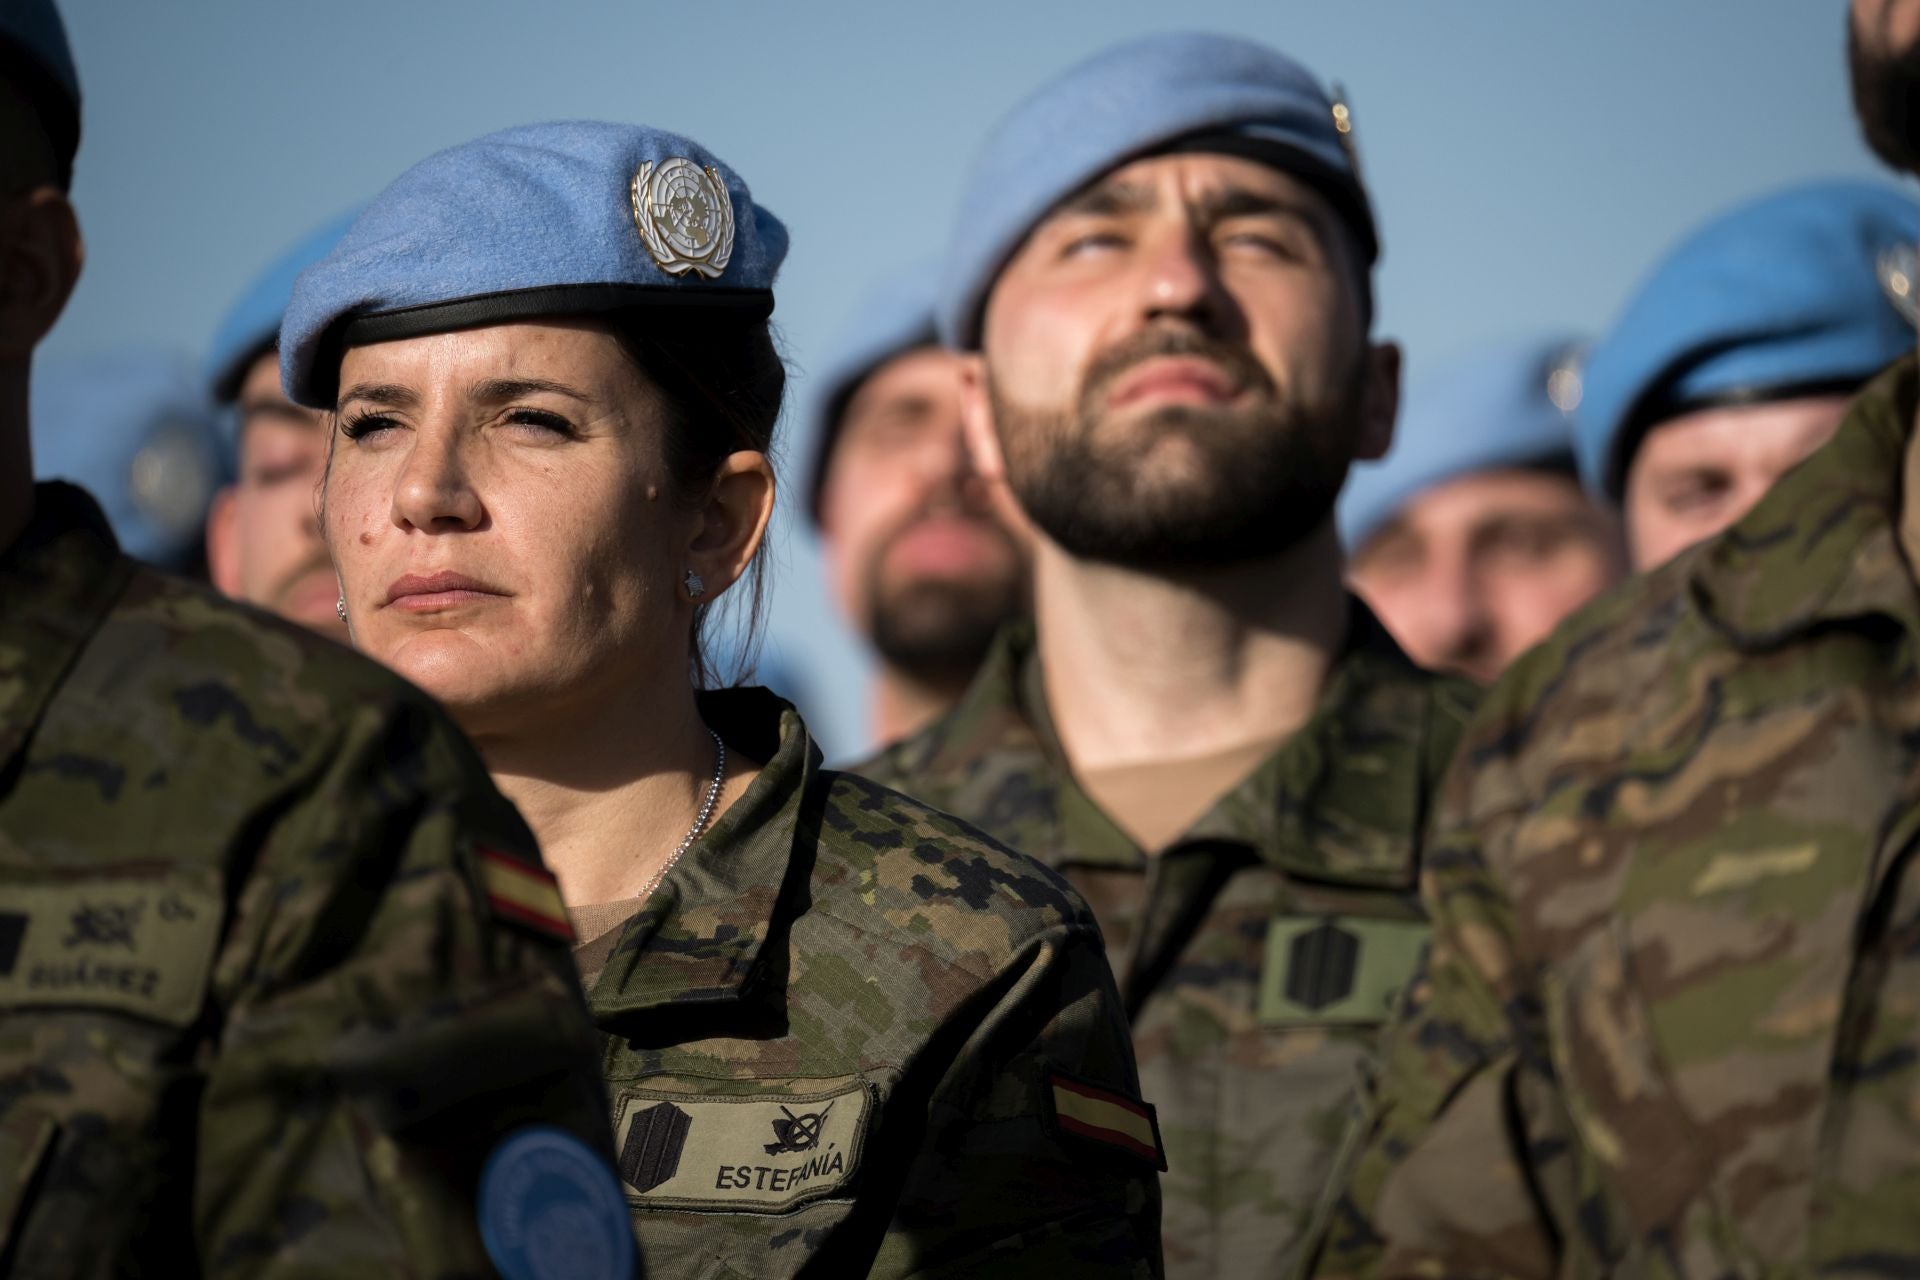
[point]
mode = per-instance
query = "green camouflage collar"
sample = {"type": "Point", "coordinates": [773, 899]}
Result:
{"type": "Point", "coordinates": [699, 938]}
{"type": "Point", "coordinates": [1822, 546]}
{"type": "Point", "coordinates": [1344, 798]}
{"type": "Point", "coordinates": [56, 583]}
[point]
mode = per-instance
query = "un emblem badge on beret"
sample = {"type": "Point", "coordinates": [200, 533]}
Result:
{"type": "Point", "coordinates": [684, 216]}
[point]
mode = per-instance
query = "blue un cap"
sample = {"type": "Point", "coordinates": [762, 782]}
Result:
{"type": "Point", "coordinates": [1507, 406]}
{"type": "Point", "coordinates": [133, 429]}
{"type": "Point", "coordinates": [550, 219]}
{"type": "Point", "coordinates": [1779, 298]}
{"type": "Point", "coordinates": [895, 318]}
{"type": "Point", "coordinates": [1164, 92]}
{"type": "Point", "coordinates": [36, 59]}
{"type": "Point", "coordinates": [251, 328]}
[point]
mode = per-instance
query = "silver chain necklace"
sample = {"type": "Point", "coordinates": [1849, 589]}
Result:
{"type": "Point", "coordinates": [699, 823]}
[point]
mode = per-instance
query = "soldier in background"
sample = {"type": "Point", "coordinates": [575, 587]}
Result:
{"type": "Point", "coordinates": [1738, 354]}
{"type": "Point", "coordinates": [1163, 267]}
{"type": "Point", "coordinates": [284, 988]}
{"type": "Point", "coordinates": [132, 428]}
{"type": "Point", "coordinates": [923, 560]}
{"type": "Point", "coordinates": [1472, 538]}
{"type": "Point", "coordinates": [1668, 1022]}
{"type": "Point", "coordinates": [263, 530]}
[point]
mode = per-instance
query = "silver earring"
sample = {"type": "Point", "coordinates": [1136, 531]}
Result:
{"type": "Point", "coordinates": [695, 587]}
{"type": "Point", "coordinates": [340, 607]}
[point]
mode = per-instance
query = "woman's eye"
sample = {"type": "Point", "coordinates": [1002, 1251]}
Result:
{"type": "Point", "coordinates": [541, 420]}
{"type": "Point", "coordinates": [360, 426]}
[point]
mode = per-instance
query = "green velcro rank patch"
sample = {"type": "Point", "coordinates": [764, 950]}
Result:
{"type": "Point", "coordinates": [136, 945]}
{"type": "Point", "coordinates": [761, 1152]}
{"type": "Point", "coordinates": [1322, 970]}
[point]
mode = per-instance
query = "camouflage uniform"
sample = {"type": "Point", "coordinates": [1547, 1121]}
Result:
{"type": "Point", "coordinates": [1671, 1023]}
{"type": "Point", "coordinates": [256, 1018]}
{"type": "Point", "coordinates": [850, 1036]}
{"type": "Point", "coordinates": [1260, 953]}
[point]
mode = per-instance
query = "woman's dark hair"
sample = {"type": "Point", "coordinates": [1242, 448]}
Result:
{"type": "Point", "coordinates": [722, 381]}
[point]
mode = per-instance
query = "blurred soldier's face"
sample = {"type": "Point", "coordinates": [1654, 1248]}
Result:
{"type": "Point", "coordinates": [1694, 475]}
{"type": "Point", "coordinates": [506, 527]}
{"type": "Point", "coordinates": [921, 558]}
{"type": "Point", "coordinates": [263, 534]}
{"type": "Point", "coordinates": [1884, 50]}
{"type": "Point", "coordinates": [1177, 367]}
{"type": "Point", "coordinates": [1473, 572]}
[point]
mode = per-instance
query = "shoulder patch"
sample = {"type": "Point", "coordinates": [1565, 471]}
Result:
{"type": "Point", "coordinates": [791, 1142]}
{"type": "Point", "coordinates": [135, 944]}
{"type": "Point", "coordinates": [1105, 1116]}
{"type": "Point", "coordinates": [548, 1206]}
{"type": "Point", "coordinates": [524, 894]}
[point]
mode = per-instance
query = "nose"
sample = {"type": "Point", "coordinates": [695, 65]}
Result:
{"type": "Point", "coordinates": [1457, 627]}
{"type": "Point", "coordinates": [1180, 279]}
{"type": "Point", "coordinates": [433, 493]}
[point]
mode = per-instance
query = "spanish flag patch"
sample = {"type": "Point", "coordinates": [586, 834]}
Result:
{"type": "Point", "coordinates": [1101, 1115]}
{"type": "Point", "coordinates": [524, 894]}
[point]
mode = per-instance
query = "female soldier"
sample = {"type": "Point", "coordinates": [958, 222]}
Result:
{"type": "Point", "coordinates": [844, 1034]}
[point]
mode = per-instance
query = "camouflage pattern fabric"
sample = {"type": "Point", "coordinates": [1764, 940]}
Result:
{"type": "Point", "coordinates": [256, 1018]}
{"type": "Point", "coordinates": [850, 1036]}
{"type": "Point", "coordinates": [1260, 954]}
{"type": "Point", "coordinates": [1671, 1021]}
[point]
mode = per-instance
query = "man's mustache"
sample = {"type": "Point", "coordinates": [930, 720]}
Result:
{"type": "Point", "coordinates": [1111, 365]}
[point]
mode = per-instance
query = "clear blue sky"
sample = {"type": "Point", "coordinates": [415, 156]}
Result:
{"type": "Point", "coordinates": [1528, 158]}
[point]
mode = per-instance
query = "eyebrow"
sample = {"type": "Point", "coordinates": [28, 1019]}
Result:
{"type": "Point", "coordinates": [1109, 199]}
{"type": "Point", "coordinates": [388, 393]}
{"type": "Point", "coordinates": [486, 391]}
{"type": "Point", "coordinates": [1239, 202]}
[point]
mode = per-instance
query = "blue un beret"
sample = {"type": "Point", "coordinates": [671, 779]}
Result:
{"type": "Point", "coordinates": [1134, 100]}
{"type": "Point", "coordinates": [1505, 407]}
{"type": "Point", "coordinates": [251, 328]}
{"type": "Point", "coordinates": [1781, 296]}
{"type": "Point", "coordinates": [550, 219]}
{"type": "Point", "coordinates": [133, 429]}
{"type": "Point", "coordinates": [895, 318]}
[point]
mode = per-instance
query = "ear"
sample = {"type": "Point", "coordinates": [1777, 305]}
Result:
{"type": "Point", "coordinates": [223, 542]}
{"type": "Point", "coordinates": [976, 413]}
{"type": "Point", "coordinates": [1380, 404]}
{"type": "Point", "coordinates": [40, 257]}
{"type": "Point", "coordinates": [733, 522]}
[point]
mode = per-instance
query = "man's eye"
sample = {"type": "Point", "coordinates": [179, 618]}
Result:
{"type": "Point", "coordinates": [1090, 242]}
{"type": "Point", "coordinates": [1696, 493]}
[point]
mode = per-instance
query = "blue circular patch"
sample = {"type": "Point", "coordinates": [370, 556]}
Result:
{"type": "Point", "coordinates": [550, 1210]}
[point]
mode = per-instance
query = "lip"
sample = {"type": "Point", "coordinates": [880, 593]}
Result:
{"type": "Point", "coordinates": [1174, 378]}
{"type": "Point", "coordinates": [428, 593]}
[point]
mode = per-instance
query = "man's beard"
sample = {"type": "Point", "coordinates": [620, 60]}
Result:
{"type": "Point", "coordinates": [938, 630]}
{"type": "Point", "coordinates": [1265, 476]}
{"type": "Point", "coordinates": [1886, 97]}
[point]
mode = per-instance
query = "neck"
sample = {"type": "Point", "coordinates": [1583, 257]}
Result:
{"type": "Point", "coordinates": [610, 789]}
{"type": "Point", "coordinates": [16, 456]}
{"type": "Point", "coordinates": [1148, 666]}
{"type": "Point", "coordinates": [905, 703]}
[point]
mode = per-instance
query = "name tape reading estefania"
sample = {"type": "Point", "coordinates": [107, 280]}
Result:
{"type": "Point", "coordinates": [758, 1152]}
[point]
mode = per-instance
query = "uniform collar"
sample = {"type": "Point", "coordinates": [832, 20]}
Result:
{"type": "Point", "coordinates": [56, 583]}
{"type": "Point", "coordinates": [699, 939]}
{"type": "Point", "coordinates": [1343, 798]}
{"type": "Point", "coordinates": [1822, 546]}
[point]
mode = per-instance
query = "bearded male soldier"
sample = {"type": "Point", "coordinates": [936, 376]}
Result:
{"type": "Point", "coordinates": [1671, 1021]}
{"type": "Point", "coordinates": [1163, 272]}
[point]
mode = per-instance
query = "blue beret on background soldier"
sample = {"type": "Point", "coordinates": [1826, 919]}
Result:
{"type": "Point", "coordinates": [1737, 355]}
{"type": "Point", "coordinates": [844, 1034]}
{"type": "Point", "coordinates": [1668, 1024]}
{"type": "Point", "coordinates": [263, 532]}
{"type": "Point", "coordinates": [1472, 538]}
{"type": "Point", "coordinates": [133, 429]}
{"type": "Point", "coordinates": [1162, 263]}
{"type": "Point", "coordinates": [284, 989]}
{"type": "Point", "coordinates": [926, 565]}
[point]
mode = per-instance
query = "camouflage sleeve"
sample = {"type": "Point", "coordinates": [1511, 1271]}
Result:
{"type": "Point", "coordinates": [1455, 1167]}
{"type": "Point", "coordinates": [383, 1027]}
{"type": "Point", "coordinates": [1039, 1158]}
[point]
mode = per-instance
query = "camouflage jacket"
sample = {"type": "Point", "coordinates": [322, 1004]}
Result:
{"type": "Point", "coordinates": [256, 1015]}
{"type": "Point", "coordinates": [1671, 1022]}
{"type": "Point", "coordinates": [1260, 954]}
{"type": "Point", "coordinates": [849, 1036]}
